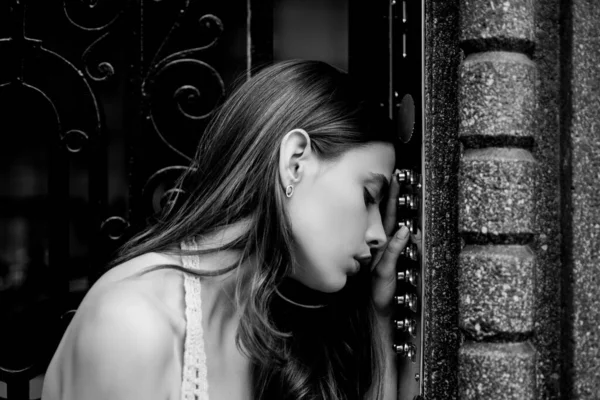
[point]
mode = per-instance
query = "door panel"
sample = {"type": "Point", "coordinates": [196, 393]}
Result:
{"type": "Point", "coordinates": [386, 53]}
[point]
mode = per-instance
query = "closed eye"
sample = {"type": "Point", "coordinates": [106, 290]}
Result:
{"type": "Point", "coordinates": [369, 199]}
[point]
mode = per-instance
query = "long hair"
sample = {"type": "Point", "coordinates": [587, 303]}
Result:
{"type": "Point", "coordinates": [334, 352]}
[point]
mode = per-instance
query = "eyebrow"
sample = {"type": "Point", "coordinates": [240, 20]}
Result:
{"type": "Point", "coordinates": [381, 180]}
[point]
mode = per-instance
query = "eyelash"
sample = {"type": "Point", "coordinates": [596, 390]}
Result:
{"type": "Point", "coordinates": [369, 198]}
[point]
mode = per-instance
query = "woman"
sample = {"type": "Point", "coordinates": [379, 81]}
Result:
{"type": "Point", "coordinates": [273, 277]}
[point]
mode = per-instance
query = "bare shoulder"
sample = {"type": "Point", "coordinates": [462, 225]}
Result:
{"type": "Point", "coordinates": [122, 311]}
{"type": "Point", "coordinates": [120, 345]}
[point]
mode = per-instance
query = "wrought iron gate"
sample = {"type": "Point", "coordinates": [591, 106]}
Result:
{"type": "Point", "coordinates": [100, 103]}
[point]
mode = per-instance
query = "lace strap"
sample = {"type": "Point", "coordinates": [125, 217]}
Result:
{"type": "Point", "coordinates": [195, 382]}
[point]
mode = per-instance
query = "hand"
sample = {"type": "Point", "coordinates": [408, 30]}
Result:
{"type": "Point", "coordinates": [384, 263]}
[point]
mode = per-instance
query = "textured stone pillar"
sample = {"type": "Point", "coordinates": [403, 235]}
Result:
{"type": "Point", "coordinates": [527, 95]}
{"type": "Point", "coordinates": [497, 203]}
{"type": "Point", "coordinates": [512, 97]}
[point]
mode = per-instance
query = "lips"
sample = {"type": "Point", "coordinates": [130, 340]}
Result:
{"type": "Point", "coordinates": [361, 263]}
{"type": "Point", "coordinates": [364, 261]}
{"type": "Point", "coordinates": [356, 268]}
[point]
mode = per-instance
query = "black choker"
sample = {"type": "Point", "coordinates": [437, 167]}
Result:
{"type": "Point", "coordinates": [300, 295]}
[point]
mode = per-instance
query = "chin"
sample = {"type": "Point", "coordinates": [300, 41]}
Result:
{"type": "Point", "coordinates": [335, 285]}
{"type": "Point", "coordinates": [331, 285]}
{"type": "Point", "coordinates": [325, 281]}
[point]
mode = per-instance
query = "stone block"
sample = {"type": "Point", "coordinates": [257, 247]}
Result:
{"type": "Point", "coordinates": [496, 285]}
{"type": "Point", "coordinates": [495, 195]}
{"type": "Point", "coordinates": [496, 371]}
{"type": "Point", "coordinates": [497, 100]}
{"type": "Point", "coordinates": [492, 24]}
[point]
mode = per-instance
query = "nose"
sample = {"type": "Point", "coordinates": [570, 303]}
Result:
{"type": "Point", "coordinates": [375, 236]}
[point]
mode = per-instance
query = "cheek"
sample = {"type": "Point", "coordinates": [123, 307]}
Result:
{"type": "Point", "coordinates": [332, 221]}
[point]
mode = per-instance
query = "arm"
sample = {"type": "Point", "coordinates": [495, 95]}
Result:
{"type": "Point", "coordinates": [120, 348]}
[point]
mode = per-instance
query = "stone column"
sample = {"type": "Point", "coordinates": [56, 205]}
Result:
{"type": "Point", "coordinates": [504, 180]}
{"type": "Point", "coordinates": [526, 90]}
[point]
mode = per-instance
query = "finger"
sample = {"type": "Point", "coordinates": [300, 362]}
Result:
{"type": "Point", "coordinates": [417, 238]}
{"type": "Point", "coordinates": [387, 265]}
{"type": "Point", "coordinates": [391, 205]}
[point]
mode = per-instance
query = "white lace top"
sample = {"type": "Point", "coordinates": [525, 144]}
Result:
{"type": "Point", "coordinates": [194, 385]}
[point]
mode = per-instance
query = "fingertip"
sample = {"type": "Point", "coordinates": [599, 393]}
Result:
{"type": "Point", "coordinates": [396, 175]}
{"type": "Point", "coordinates": [402, 232]}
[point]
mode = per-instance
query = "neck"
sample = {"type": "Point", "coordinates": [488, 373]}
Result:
{"type": "Point", "coordinates": [218, 295]}
{"type": "Point", "coordinates": [219, 308]}
{"type": "Point", "coordinates": [219, 290]}
{"type": "Point", "coordinates": [220, 311]}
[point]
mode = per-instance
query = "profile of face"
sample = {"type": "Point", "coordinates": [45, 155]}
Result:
{"type": "Point", "coordinates": [334, 210]}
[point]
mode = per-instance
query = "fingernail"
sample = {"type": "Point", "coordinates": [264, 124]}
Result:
{"type": "Point", "coordinates": [402, 232]}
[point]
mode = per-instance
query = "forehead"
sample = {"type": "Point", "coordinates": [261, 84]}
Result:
{"type": "Point", "coordinates": [373, 158]}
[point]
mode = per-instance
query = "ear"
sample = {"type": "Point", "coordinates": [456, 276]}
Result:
{"type": "Point", "coordinates": [294, 152]}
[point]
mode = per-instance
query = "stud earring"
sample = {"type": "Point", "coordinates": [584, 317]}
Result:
{"type": "Point", "coordinates": [289, 190]}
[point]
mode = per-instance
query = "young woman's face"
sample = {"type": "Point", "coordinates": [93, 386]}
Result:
{"type": "Point", "coordinates": [335, 214]}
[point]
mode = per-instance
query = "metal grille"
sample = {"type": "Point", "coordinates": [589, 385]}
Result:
{"type": "Point", "coordinates": [102, 104]}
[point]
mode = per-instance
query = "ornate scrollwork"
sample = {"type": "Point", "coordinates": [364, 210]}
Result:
{"type": "Point", "coordinates": [171, 196]}
{"type": "Point", "coordinates": [90, 3]}
{"type": "Point", "coordinates": [106, 69]}
{"type": "Point", "coordinates": [74, 140]}
{"type": "Point", "coordinates": [93, 15]}
{"type": "Point", "coordinates": [186, 88]}
{"type": "Point", "coordinates": [103, 69]}
{"type": "Point", "coordinates": [85, 84]}
{"type": "Point", "coordinates": [161, 188]}
{"type": "Point", "coordinates": [182, 90]}
{"type": "Point", "coordinates": [114, 227]}
{"type": "Point", "coordinates": [208, 29]}
{"type": "Point", "coordinates": [211, 26]}
{"type": "Point", "coordinates": [186, 94]}
{"type": "Point", "coordinates": [191, 101]}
